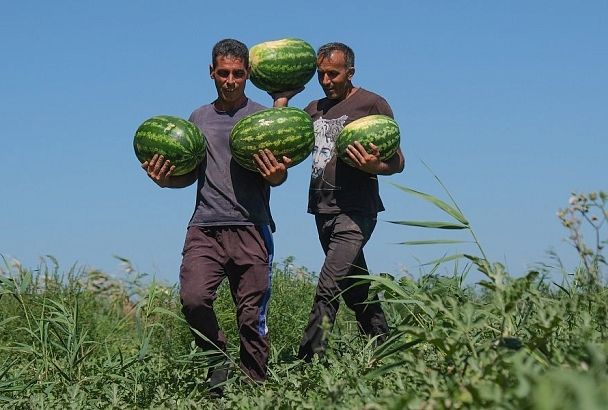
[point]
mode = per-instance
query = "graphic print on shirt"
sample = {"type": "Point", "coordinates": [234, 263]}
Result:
{"type": "Point", "coordinates": [326, 133]}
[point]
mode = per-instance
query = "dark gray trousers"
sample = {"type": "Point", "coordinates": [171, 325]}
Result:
{"type": "Point", "coordinates": [342, 238]}
{"type": "Point", "coordinates": [243, 254]}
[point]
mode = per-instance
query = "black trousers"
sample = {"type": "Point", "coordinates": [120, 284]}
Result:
{"type": "Point", "coordinates": [342, 238]}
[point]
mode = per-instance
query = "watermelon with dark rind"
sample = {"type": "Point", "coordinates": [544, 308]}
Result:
{"type": "Point", "coordinates": [178, 140]}
{"type": "Point", "coordinates": [379, 130]}
{"type": "Point", "coordinates": [282, 65]}
{"type": "Point", "coordinates": [285, 131]}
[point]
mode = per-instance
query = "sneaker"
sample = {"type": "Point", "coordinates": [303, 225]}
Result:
{"type": "Point", "coordinates": [216, 382]}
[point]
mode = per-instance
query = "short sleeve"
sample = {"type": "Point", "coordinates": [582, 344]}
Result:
{"type": "Point", "coordinates": [381, 106]}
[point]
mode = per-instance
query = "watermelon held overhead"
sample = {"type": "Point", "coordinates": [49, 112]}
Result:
{"type": "Point", "coordinates": [285, 131]}
{"type": "Point", "coordinates": [178, 140]}
{"type": "Point", "coordinates": [379, 130]}
{"type": "Point", "coordinates": [282, 65]}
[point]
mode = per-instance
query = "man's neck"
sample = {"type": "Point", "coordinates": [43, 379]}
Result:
{"type": "Point", "coordinates": [350, 91]}
{"type": "Point", "coordinates": [346, 95]}
{"type": "Point", "coordinates": [229, 106]}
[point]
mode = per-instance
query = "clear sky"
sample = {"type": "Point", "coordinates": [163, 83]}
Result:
{"type": "Point", "coordinates": [506, 101]}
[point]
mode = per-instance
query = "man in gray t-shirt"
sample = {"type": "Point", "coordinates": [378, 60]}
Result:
{"type": "Point", "coordinates": [230, 232]}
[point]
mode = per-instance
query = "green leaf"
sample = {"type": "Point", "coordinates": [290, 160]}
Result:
{"type": "Point", "coordinates": [431, 224]}
{"type": "Point", "coordinates": [387, 283]}
{"type": "Point", "coordinates": [395, 345]}
{"type": "Point", "coordinates": [444, 259]}
{"type": "Point", "coordinates": [381, 371]}
{"type": "Point", "coordinates": [563, 289]}
{"type": "Point", "coordinates": [486, 284]}
{"type": "Point", "coordinates": [168, 312]}
{"type": "Point", "coordinates": [432, 242]}
{"type": "Point", "coordinates": [7, 320]}
{"type": "Point", "coordinates": [403, 303]}
{"type": "Point", "coordinates": [456, 214]}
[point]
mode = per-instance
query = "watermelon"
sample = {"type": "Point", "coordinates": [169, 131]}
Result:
{"type": "Point", "coordinates": [285, 131]}
{"type": "Point", "coordinates": [379, 130]}
{"type": "Point", "coordinates": [282, 65]}
{"type": "Point", "coordinates": [176, 139]}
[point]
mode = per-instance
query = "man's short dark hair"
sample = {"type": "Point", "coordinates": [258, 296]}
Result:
{"type": "Point", "coordinates": [229, 47]}
{"type": "Point", "coordinates": [349, 55]}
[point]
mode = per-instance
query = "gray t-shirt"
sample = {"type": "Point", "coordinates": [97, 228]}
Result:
{"type": "Point", "coordinates": [336, 187]}
{"type": "Point", "coordinates": [227, 194]}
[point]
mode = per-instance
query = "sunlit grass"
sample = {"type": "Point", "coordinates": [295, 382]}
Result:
{"type": "Point", "coordinates": [83, 339]}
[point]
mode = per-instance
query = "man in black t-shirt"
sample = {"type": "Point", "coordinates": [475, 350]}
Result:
{"type": "Point", "coordinates": [344, 199]}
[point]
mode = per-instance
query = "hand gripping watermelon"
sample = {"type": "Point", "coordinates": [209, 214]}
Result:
{"type": "Point", "coordinates": [176, 139]}
{"type": "Point", "coordinates": [285, 131]}
{"type": "Point", "coordinates": [379, 130]}
{"type": "Point", "coordinates": [282, 65]}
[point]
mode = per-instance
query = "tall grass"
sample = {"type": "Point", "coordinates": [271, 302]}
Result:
{"type": "Point", "coordinates": [84, 339]}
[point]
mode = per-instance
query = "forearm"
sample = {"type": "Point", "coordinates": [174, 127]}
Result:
{"type": "Point", "coordinates": [280, 102]}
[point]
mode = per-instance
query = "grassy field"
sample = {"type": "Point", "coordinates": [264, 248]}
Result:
{"type": "Point", "coordinates": [75, 338]}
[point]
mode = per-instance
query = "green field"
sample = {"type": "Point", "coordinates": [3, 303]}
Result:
{"type": "Point", "coordinates": [77, 338]}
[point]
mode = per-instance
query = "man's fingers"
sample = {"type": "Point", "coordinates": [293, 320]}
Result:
{"type": "Point", "coordinates": [355, 152]}
{"type": "Point", "coordinates": [261, 164]}
{"type": "Point", "coordinates": [157, 164]}
{"type": "Point", "coordinates": [354, 157]}
{"type": "Point", "coordinates": [285, 94]}
{"type": "Point", "coordinates": [152, 162]}
{"type": "Point", "coordinates": [270, 157]}
{"type": "Point", "coordinates": [264, 156]}
{"type": "Point", "coordinates": [360, 148]}
{"type": "Point", "coordinates": [375, 152]}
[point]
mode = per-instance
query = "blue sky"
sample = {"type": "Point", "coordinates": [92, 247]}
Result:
{"type": "Point", "coordinates": [506, 101]}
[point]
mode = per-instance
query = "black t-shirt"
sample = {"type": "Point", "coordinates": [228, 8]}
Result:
{"type": "Point", "coordinates": [336, 187]}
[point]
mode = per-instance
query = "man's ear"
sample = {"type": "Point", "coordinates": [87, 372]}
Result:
{"type": "Point", "coordinates": [351, 73]}
{"type": "Point", "coordinates": [211, 71]}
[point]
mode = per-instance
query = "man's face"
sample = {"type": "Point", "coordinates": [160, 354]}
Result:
{"type": "Point", "coordinates": [334, 76]}
{"type": "Point", "coordinates": [230, 76]}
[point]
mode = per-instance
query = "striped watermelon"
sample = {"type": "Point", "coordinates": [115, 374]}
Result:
{"type": "Point", "coordinates": [282, 65]}
{"type": "Point", "coordinates": [285, 131]}
{"type": "Point", "coordinates": [380, 130]}
{"type": "Point", "coordinates": [178, 140]}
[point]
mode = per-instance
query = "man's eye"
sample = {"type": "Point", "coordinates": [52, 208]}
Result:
{"type": "Point", "coordinates": [330, 74]}
{"type": "Point", "coordinates": [235, 74]}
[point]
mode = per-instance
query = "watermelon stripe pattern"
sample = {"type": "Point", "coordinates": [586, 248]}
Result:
{"type": "Point", "coordinates": [379, 130]}
{"type": "Point", "coordinates": [176, 139]}
{"type": "Point", "coordinates": [285, 131]}
{"type": "Point", "coordinates": [282, 65]}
